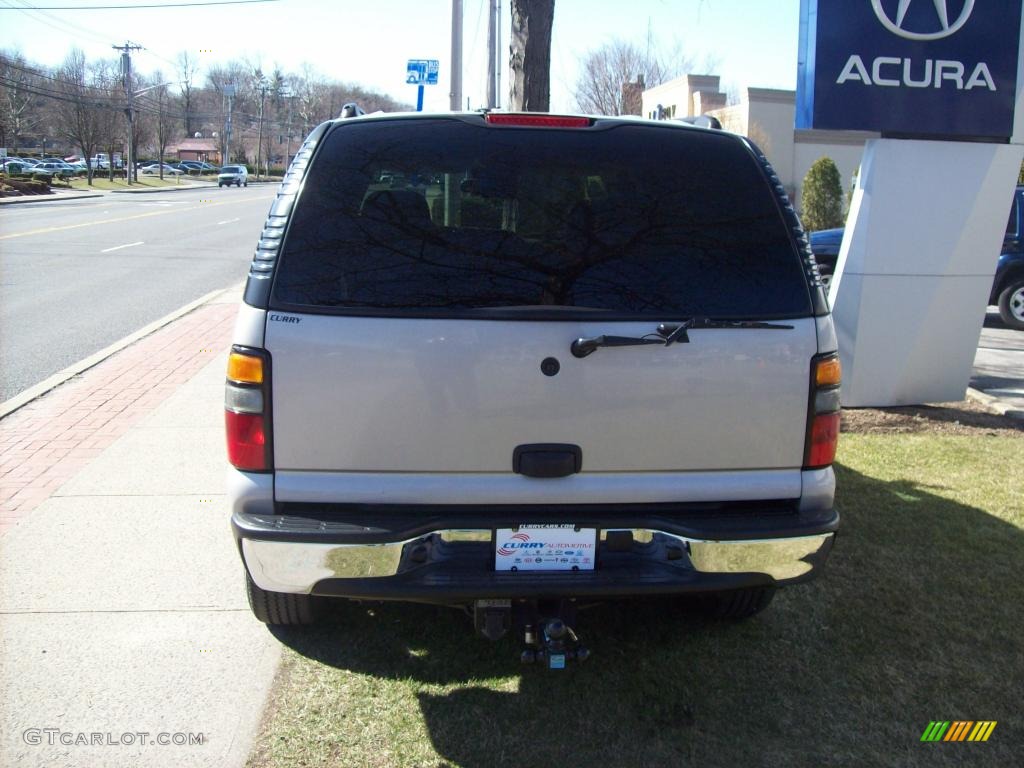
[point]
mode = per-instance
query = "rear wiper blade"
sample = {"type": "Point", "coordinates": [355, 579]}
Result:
{"type": "Point", "coordinates": [666, 334]}
{"type": "Point", "coordinates": [583, 347]}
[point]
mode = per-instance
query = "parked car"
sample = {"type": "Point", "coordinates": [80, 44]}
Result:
{"type": "Point", "coordinates": [1008, 286]}
{"type": "Point", "coordinates": [16, 165]}
{"type": "Point", "coordinates": [55, 168]}
{"type": "Point", "coordinates": [154, 169]}
{"type": "Point", "coordinates": [233, 174]}
{"type": "Point", "coordinates": [589, 363]}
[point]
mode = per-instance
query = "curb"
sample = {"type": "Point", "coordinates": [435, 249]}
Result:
{"type": "Point", "coordinates": [21, 400]}
{"type": "Point", "coordinates": [47, 198]}
{"type": "Point", "coordinates": [176, 188]}
{"type": "Point", "coordinates": [994, 404]}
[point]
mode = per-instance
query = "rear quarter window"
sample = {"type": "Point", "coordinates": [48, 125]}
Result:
{"type": "Point", "coordinates": [447, 218]}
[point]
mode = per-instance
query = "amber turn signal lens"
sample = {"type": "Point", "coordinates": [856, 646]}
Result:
{"type": "Point", "coordinates": [245, 369]}
{"type": "Point", "coordinates": [828, 373]}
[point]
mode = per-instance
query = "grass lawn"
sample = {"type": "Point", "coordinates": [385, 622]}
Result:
{"type": "Point", "coordinates": [918, 617]}
{"type": "Point", "coordinates": [144, 182]}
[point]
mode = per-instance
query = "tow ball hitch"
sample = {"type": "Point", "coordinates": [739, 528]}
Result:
{"type": "Point", "coordinates": [544, 627]}
{"type": "Point", "coordinates": [554, 644]}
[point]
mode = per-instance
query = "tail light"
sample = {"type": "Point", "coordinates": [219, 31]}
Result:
{"type": "Point", "coordinates": [823, 412]}
{"type": "Point", "coordinates": [247, 410]}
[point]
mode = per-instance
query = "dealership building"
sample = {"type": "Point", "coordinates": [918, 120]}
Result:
{"type": "Point", "coordinates": [767, 116]}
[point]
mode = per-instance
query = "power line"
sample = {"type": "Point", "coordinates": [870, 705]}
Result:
{"type": "Point", "coordinates": [41, 17]}
{"type": "Point", "coordinates": [133, 7]}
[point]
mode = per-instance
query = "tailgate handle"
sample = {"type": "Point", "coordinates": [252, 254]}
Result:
{"type": "Point", "coordinates": [547, 459]}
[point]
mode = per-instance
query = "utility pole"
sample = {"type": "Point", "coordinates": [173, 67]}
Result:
{"type": "Point", "coordinates": [126, 72]}
{"type": "Point", "coordinates": [229, 92]}
{"type": "Point", "coordinates": [262, 88]}
{"type": "Point", "coordinates": [492, 58]}
{"type": "Point", "coordinates": [497, 55]}
{"type": "Point", "coordinates": [455, 97]}
{"type": "Point", "coordinates": [288, 132]}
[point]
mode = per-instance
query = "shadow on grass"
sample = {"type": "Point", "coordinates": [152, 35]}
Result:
{"type": "Point", "coordinates": [917, 617]}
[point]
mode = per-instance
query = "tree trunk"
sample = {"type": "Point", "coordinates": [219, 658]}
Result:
{"type": "Point", "coordinates": [530, 60]}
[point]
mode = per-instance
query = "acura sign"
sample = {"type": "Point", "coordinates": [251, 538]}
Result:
{"type": "Point", "coordinates": [909, 68]}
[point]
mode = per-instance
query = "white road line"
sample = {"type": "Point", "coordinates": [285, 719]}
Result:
{"type": "Point", "coordinates": [119, 247]}
{"type": "Point", "coordinates": [228, 221]}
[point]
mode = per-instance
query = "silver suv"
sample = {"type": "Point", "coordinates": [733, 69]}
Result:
{"type": "Point", "coordinates": [511, 362]}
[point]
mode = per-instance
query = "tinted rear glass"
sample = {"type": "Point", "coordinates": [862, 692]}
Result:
{"type": "Point", "coordinates": [449, 218]}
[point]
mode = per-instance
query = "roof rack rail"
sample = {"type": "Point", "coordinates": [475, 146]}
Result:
{"type": "Point", "coordinates": [351, 110]}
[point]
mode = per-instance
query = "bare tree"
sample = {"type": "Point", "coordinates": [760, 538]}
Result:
{"type": "Point", "coordinates": [107, 79]}
{"type": "Point", "coordinates": [166, 118]}
{"type": "Point", "coordinates": [79, 106]}
{"type": "Point", "coordinates": [19, 107]}
{"type": "Point", "coordinates": [530, 60]}
{"type": "Point", "coordinates": [187, 70]}
{"type": "Point", "coordinates": [310, 91]}
{"type": "Point", "coordinates": [613, 77]}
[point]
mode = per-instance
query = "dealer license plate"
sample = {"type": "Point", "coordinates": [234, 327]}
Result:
{"type": "Point", "coordinates": [545, 548]}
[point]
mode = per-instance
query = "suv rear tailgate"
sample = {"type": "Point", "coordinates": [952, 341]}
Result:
{"type": "Point", "coordinates": [458, 396]}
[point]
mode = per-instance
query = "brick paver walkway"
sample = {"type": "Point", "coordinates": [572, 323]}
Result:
{"type": "Point", "coordinates": [45, 443]}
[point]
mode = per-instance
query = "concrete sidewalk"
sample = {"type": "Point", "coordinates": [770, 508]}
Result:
{"type": "Point", "coordinates": [999, 368]}
{"type": "Point", "coordinates": [123, 607]}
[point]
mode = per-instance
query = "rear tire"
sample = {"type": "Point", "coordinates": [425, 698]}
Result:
{"type": "Point", "coordinates": [281, 609]}
{"type": "Point", "coordinates": [739, 603]}
{"type": "Point", "coordinates": [1011, 305]}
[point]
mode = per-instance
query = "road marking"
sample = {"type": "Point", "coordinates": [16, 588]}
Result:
{"type": "Point", "coordinates": [227, 221]}
{"type": "Point", "coordinates": [119, 247]}
{"type": "Point", "coordinates": [46, 230]}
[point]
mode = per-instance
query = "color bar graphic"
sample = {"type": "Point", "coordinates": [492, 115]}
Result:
{"type": "Point", "coordinates": [958, 730]}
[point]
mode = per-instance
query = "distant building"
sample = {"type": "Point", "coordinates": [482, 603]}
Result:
{"type": "Point", "coordinates": [204, 150]}
{"type": "Point", "coordinates": [632, 96]}
{"type": "Point", "coordinates": [767, 117]}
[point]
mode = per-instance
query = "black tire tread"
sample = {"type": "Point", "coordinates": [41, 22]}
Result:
{"type": "Point", "coordinates": [279, 608]}
{"type": "Point", "coordinates": [1004, 304]}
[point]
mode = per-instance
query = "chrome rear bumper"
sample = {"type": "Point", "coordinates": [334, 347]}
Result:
{"type": "Point", "coordinates": [453, 563]}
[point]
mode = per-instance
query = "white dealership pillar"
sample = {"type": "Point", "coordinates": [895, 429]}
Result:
{"type": "Point", "coordinates": [916, 265]}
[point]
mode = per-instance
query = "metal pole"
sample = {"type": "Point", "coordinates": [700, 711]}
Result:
{"type": "Point", "coordinates": [419, 98]}
{"type": "Point", "coordinates": [455, 101]}
{"type": "Point", "coordinates": [497, 55]}
{"type": "Point", "coordinates": [288, 145]}
{"type": "Point", "coordinates": [492, 54]}
{"type": "Point", "coordinates": [229, 92]}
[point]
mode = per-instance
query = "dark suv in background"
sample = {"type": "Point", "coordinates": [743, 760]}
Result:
{"type": "Point", "coordinates": [1007, 287]}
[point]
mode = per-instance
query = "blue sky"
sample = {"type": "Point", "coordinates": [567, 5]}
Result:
{"type": "Point", "coordinates": [368, 42]}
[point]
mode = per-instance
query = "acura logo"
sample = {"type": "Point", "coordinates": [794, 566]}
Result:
{"type": "Point", "coordinates": [942, 27]}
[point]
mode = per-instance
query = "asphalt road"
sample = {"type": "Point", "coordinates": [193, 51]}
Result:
{"type": "Point", "coordinates": [78, 275]}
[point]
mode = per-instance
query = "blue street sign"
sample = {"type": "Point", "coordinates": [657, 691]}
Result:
{"type": "Point", "coordinates": [941, 69]}
{"type": "Point", "coordinates": [422, 71]}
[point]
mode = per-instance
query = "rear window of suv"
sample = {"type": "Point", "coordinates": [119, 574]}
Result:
{"type": "Point", "coordinates": [441, 217]}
